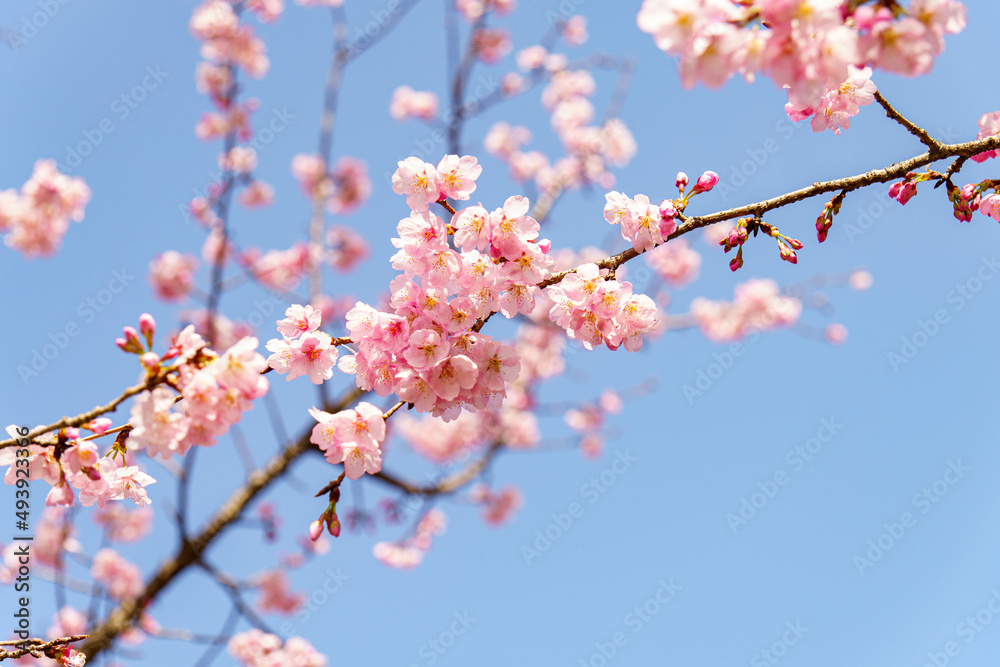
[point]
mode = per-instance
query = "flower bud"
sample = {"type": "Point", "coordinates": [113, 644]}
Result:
{"type": "Point", "coordinates": [706, 182]}
{"type": "Point", "coordinates": [682, 181]}
{"type": "Point", "coordinates": [147, 325]}
{"type": "Point", "coordinates": [667, 209]}
{"type": "Point", "coordinates": [315, 530]}
{"type": "Point", "coordinates": [787, 253]}
{"type": "Point", "coordinates": [150, 360]}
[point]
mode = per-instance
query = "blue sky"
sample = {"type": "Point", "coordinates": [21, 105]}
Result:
{"type": "Point", "coordinates": [887, 433]}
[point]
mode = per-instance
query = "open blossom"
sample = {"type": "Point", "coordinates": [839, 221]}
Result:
{"type": "Point", "coordinates": [990, 205]}
{"type": "Point", "coordinates": [257, 195]}
{"type": "Point", "coordinates": [675, 262]}
{"type": "Point", "coordinates": [172, 275]}
{"type": "Point", "coordinates": [599, 311]}
{"type": "Point", "coordinates": [276, 595]}
{"type": "Point", "coordinates": [491, 44]}
{"type": "Point", "coordinates": [310, 354]}
{"type": "Point", "coordinates": [351, 437]}
{"type": "Point", "coordinates": [256, 648]}
{"type": "Point", "coordinates": [346, 248]}
{"type": "Point", "coordinates": [240, 367]}
{"type": "Point", "coordinates": [418, 181]}
{"type": "Point", "coordinates": [299, 320]}
{"type": "Point", "coordinates": [129, 482]}
{"type": "Point", "coordinates": [122, 578]}
{"type": "Point", "coordinates": [37, 219]}
{"type": "Point", "coordinates": [155, 426]}
{"type": "Point", "coordinates": [758, 306]}
{"type": "Point", "coordinates": [642, 222]}
{"type": "Point", "coordinates": [502, 140]}
{"type": "Point", "coordinates": [410, 552]}
{"type": "Point", "coordinates": [351, 186]}
{"type": "Point", "coordinates": [457, 176]}
{"type": "Point", "coordinates": [278, 269]}
{"type": "Point", "coordinates": [498, 507]}
{"type": "Point", "coordinates": [839, 105]}
{"type": "Point", "coordinates": [408, 103]}
{"type": "Point", "coordinates": [989, 125]}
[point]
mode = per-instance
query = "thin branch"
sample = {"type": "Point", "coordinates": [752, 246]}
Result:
{"type": "Point", "coordinates": [849, 184]}
{"type": "Point", "coordinates": [932, 144]}
{"type": "Point", "coordinates": [129, 610]}
{"type": "Point", "coordinates": [84, 417]}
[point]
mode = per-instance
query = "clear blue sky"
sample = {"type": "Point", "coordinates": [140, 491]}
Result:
{"type": "Point", "coordinates": [898, 431]}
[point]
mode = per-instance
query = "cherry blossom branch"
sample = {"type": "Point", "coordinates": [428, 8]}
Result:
{"type": "Point", "coordinates": [848, 184]}
{"type": "Point", "coordinates": [458, 86]}
{"type": "Point", "coordinates": [84, 417]}
{"type": "Point", "coordinates": [932, 144]}
{"type": "Point", "coordinates": [129, 610]}
{"type": "Point", "coordinates": [36, 647]}
{"type": "Point", "coordinates": [449, 484]}
{"type": "Point", "coordinates": [222, 212]}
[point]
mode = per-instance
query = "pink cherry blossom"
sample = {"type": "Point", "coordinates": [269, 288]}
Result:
{"type": "Point", "coordinates": [418, 181]}
{"type": "Point", "coordinates": [172, 275]}
{"type": "Point", "coordinates": [457, 176]}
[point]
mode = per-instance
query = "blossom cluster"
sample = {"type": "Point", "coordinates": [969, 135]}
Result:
{"type": "Point", "coordinates": [344, 188]}
{"type": "Point", "coordinates": [275, 594]}
{"type": "Point", "coordinates": [498, 506]}
{"type": "Point", "coordinates": [303, 348]}
{"type": "Point", "coordinates": [804, 46]}
{"type": "Point", "coordinates": [80, 468]}
{"type": "Point", "coordinates": [256, 648]}
{"type": "Point", "coordinates": [351, 437]}
{"type": "Point", "coordinates": [758, 306]}
{"type": "Point", "coordinates": [408, 553]}
{"type": "Point", "coordinates": [216, 391]}
{"type": "Point", "coordinates": [839, 105]}
{"type": "Point", "coordinates": [408, 103]}
{"type": "Point", "coordinates": [37, 218]}
{"type": "Point", "coordinates": [598, 310]}
{"type": "Point", "coordinates": [588, 419]}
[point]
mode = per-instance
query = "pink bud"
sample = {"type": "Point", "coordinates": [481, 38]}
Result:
{"type": "Point", "coordinates": [59, 495]}
{"type": "Point", "coordinates": [682, 181]}
{"type": "Point", "coordinates": [667, 209]}
{"type": "Point", "coordinates": [122, 343]}
{"type": "Point", "coordinates": [99, 425]}
{"type": "Point", "coordinates": [706, 181]}
{"type": "Point", "coordinates": [150, 360]}
{"type": "Point", "coordinates": [315, 530]}
{"type": "Point", "coordinates": [903, 191]}
{"type": "Point", "coordinates": [836, 334]}
{"type": "Point", "coordinates": [130, 334]}
{"type": "Point", "coordinates": [147, 325]}
{"type": "Point", "coordinates": [545, 245]}
{"type": "Point", "coordinates": [736, 262]}
{"type": "Point", "coordinates": [787, 253]}
{"type": "Point", "coordinates": [795, 243]}
{"type": "Point", "coordinates": [335, 526]}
